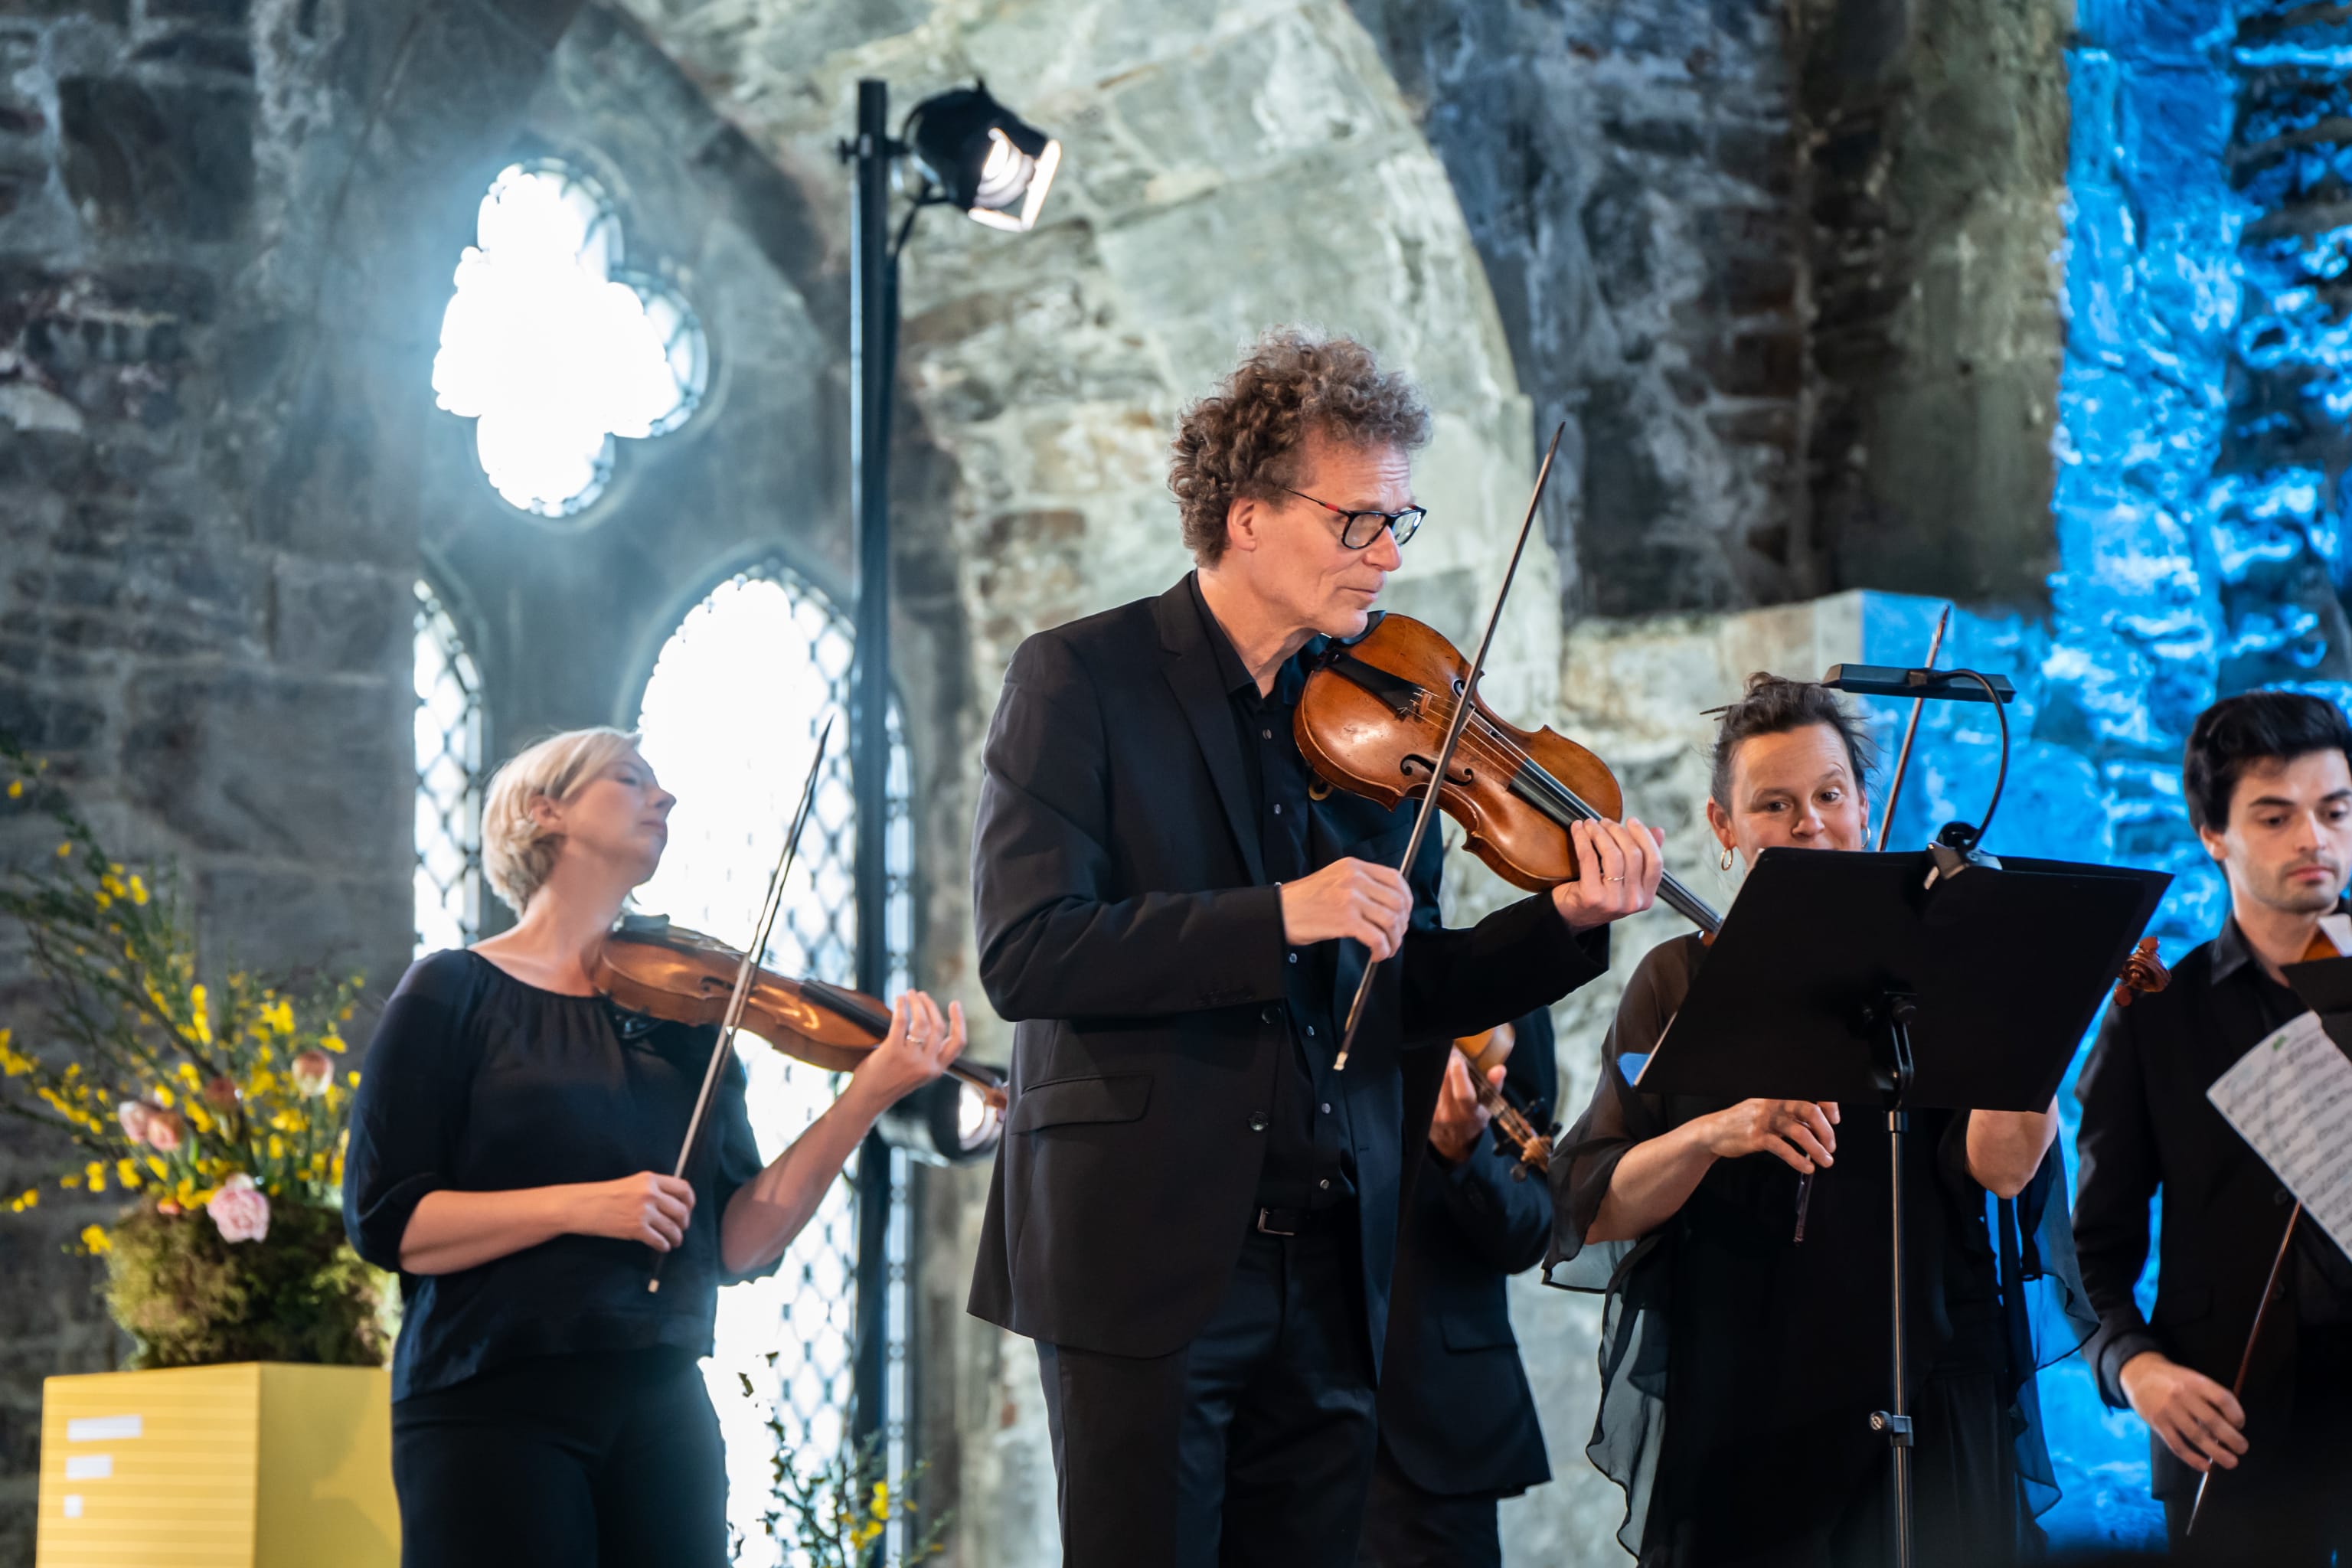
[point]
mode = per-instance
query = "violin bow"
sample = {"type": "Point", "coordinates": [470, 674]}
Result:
{"type": "Point", "coordinates": [1910, 733]}
{"type": "Point", "coordinates": [733, 1018]}
{"type": "Point", "coordinates": [2246, 1360]}
{"type": "Point", "coordinates": [1461, 708]}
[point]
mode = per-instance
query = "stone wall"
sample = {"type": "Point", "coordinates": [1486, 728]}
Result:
{"type": "Point", "coordinates": [1788, 270]}
{"type": "Point", "coordinates": [222, 226]}
{"type": "Point", "coordinates": [1628, 174]}
{"type": "Point", "coordinates": [227, 231]}
{"type": "Point", "coordinates": [1933, 179]}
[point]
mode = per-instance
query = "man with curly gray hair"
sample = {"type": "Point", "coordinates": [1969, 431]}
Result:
{"type": "Point", "coordinates": [1193, 1213]}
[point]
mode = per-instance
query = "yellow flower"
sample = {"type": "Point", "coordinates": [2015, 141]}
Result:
{"type": "Point", "coordinates": [30, 1198]}
{"type": "Point", "coordinates": [96, 1173]}
{"type": "Point", "coordinates": [279, 1016]}
{"type": "Point", "coordinates": [127, 1173]}
{"type": "Point", "coordinates": [199, 1016]}
{"type": "Point", "coordinates": [263, 1082]}
{"type": "Point", "coordinates": [12, 1064]}
{"type": "Point", "coordinates": [332, 1041]}
{"type": "Point", "coordinates": [64, 850]}
{"type": "Point", "coordinates": [138, 890]}
{"type": "Point", "coordinates": [102, 899]}
{"type": "Point", "coordinates": [352, 1078]}
{"type": "Point", "coordinates": [93, 1239]}
{"type": "Point", "coordinates": [162, 1096]}
{"type": "Point", "coordinates": [277, 1147]}
{"type": "Point", "coordinates": [163, 1172]}
{"type": "Point", "coordinates": [71, 1183]}
{"type": "Point", "coordinates": [16, 789]}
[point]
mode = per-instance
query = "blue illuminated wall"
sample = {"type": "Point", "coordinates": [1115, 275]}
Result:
{"type": "Point", "coordinates": [2205, 407]}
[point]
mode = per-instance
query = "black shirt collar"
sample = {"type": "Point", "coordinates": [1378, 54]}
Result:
{"type": "Point", "coordinates": [1231, 670]}
{"type": "Point", "coordinates": [2230, 953]}
{"type": "Point", "coordinates": [1237, 680]}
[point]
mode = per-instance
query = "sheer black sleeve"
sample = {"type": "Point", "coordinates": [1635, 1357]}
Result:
{"type": "Point", "coordinates": [1619, 1116]}
{"type": "Point", "coordinates": [409, 1112]}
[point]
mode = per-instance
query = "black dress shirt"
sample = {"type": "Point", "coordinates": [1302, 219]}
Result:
{"type": "Point", "coordinates": [1307, 1165]}
{"type": "Point", "coordinates": [2148, 1125]}
{"type": "Point", "coordinates": [477, 1082]}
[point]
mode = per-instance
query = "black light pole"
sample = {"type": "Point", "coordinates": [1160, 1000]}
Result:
{"type": "Point", "coordinates": [873, 303]}
{"type": "Point", "coordinates": [976, 155]}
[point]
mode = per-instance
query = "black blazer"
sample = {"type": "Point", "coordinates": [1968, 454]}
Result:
{"type": "Point", "coordinates": [1127, 928]}
{"type": "Point", "coordinates": [2147, 1123]}
{"type": "Point", "coordinates": [1456, 1413]}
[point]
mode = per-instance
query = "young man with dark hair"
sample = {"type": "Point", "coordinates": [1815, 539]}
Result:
{"type": "Point", "coordinates": [1195, 1213]}
{"type": "Point", "coordinates": [2268, 778]}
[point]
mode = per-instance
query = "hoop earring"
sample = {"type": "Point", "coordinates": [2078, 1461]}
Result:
{"type": "Point", "coordinates": [1725, 861]}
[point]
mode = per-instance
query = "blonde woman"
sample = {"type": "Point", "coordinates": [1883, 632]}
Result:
{"type": "Point", "coordinates": [509, 1152]}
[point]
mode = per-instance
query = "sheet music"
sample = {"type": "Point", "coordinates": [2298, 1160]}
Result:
{"type": "Point", "coordinates": [2291, 1098]}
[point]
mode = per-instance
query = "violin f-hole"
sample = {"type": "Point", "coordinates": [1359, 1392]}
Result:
{"type": "Point", "coordinates": [1414, 763]}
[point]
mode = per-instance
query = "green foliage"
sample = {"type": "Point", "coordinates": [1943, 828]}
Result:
{"type": "Point", "coordinates": [173, 1089]}
{"type": "Point", "coordinates": [191, 1298]}
{"type": "Point", "coordinates": [839, 1514]}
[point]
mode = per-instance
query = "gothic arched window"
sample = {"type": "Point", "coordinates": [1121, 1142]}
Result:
{"type": "Point", "coordinates": [729, 718]}
{"type": "Point", "coordinates": [448, 781]}
{"type": "Point", "coordinates": [555, 349]}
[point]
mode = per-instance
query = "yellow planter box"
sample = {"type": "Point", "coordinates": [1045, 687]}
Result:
{"type": "Point", "coordinates": [255, 1465]}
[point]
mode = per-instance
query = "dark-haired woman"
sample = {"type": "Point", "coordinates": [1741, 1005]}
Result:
{"type": "Point", "coordinates": [511, 1148]}
{"type": "Point", "coordinates": [1739, 1367]}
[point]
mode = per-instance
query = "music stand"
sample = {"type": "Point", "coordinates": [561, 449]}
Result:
{"type": "Point", "coordinates": [1856, 977]}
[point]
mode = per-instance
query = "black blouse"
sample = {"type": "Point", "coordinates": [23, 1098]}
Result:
{"type": "Point", "coordinates": [477, 1082]}
{"type": "Point", "coordinates": [1738, 1367]}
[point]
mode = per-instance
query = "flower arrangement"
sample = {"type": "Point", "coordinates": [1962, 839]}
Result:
{"type": "Point", "coordinates": [214, 1108]}
{"type": "Point", "coordinates": [839, 1515]}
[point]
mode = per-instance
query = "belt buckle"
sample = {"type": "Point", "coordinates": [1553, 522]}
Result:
{"type": "Point", "coordinates": [1267, 1229]}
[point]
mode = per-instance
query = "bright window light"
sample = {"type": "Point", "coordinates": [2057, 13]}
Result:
{"type": "Point", "coordinates": [737, 772]}
{"type": "Point", "coordinates": [553, 349]}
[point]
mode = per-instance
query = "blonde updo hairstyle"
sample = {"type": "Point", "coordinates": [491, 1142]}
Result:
{"type": "Point", "coordinates": [517, 852]}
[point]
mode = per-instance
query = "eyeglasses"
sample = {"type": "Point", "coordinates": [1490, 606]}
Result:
{"type": "Point", "coordinates": [1361, 528]}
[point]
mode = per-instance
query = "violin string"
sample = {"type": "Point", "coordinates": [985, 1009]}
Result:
{"type": "Point", "coordinates": [1483, 740]}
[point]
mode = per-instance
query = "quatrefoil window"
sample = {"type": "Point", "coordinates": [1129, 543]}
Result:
{"type": "Point", "coordinates": [555, 349]}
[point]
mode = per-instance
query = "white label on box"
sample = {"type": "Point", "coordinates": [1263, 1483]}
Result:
{"type": "Point", "coordinates": [73, 1505]}
{"type": "Point", "coordinates": [89, 1467]}
{"type": "Point", "coordinates": [103, 1428]}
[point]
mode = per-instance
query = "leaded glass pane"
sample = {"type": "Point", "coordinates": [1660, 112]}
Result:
{"type": "Point", "coordinates": [448, 781]}
{"type": "Point", "coordinates": [730, 720]}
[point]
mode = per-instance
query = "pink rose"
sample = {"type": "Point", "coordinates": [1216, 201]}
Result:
{"type": "Point", "coordinates": [220, 1093]}
{"type": "Point", "coordinates": [162, 1130]}
{"type": "Point", "coordinates": [312, 1073]}
{"type": "Point", "coordinates": [240, 1209]}
{"type": "Point", "coordinates": [132, 1115]}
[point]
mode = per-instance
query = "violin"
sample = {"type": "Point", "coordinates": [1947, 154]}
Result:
{"type": "Point", "coordinates": [1372, 718]}
{"type": "Point", "coordinates": [649, 965]}
{"type": "Point", "coordinates": [1514, 1133]}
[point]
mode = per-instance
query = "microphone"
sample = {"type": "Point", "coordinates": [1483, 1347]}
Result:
{"type": "Point", "coordinates": [1891, 680]}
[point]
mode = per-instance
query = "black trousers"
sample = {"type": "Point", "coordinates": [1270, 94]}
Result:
{"type": "Point", "coordinates": [2289, 1502]}
{"type": "Point", "coordinates": [1407, 1527]}
{"type": "Point", "coordinates": [578, 1461]}
{"type": "Point", "coordinates": [1252, 1445]}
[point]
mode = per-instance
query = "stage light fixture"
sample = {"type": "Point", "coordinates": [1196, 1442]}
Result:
{"type": "Point", "coordinates": [983, 157]}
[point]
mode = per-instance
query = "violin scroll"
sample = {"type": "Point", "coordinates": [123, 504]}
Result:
{"type": "Point", "coordinates": [2143, 972]}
